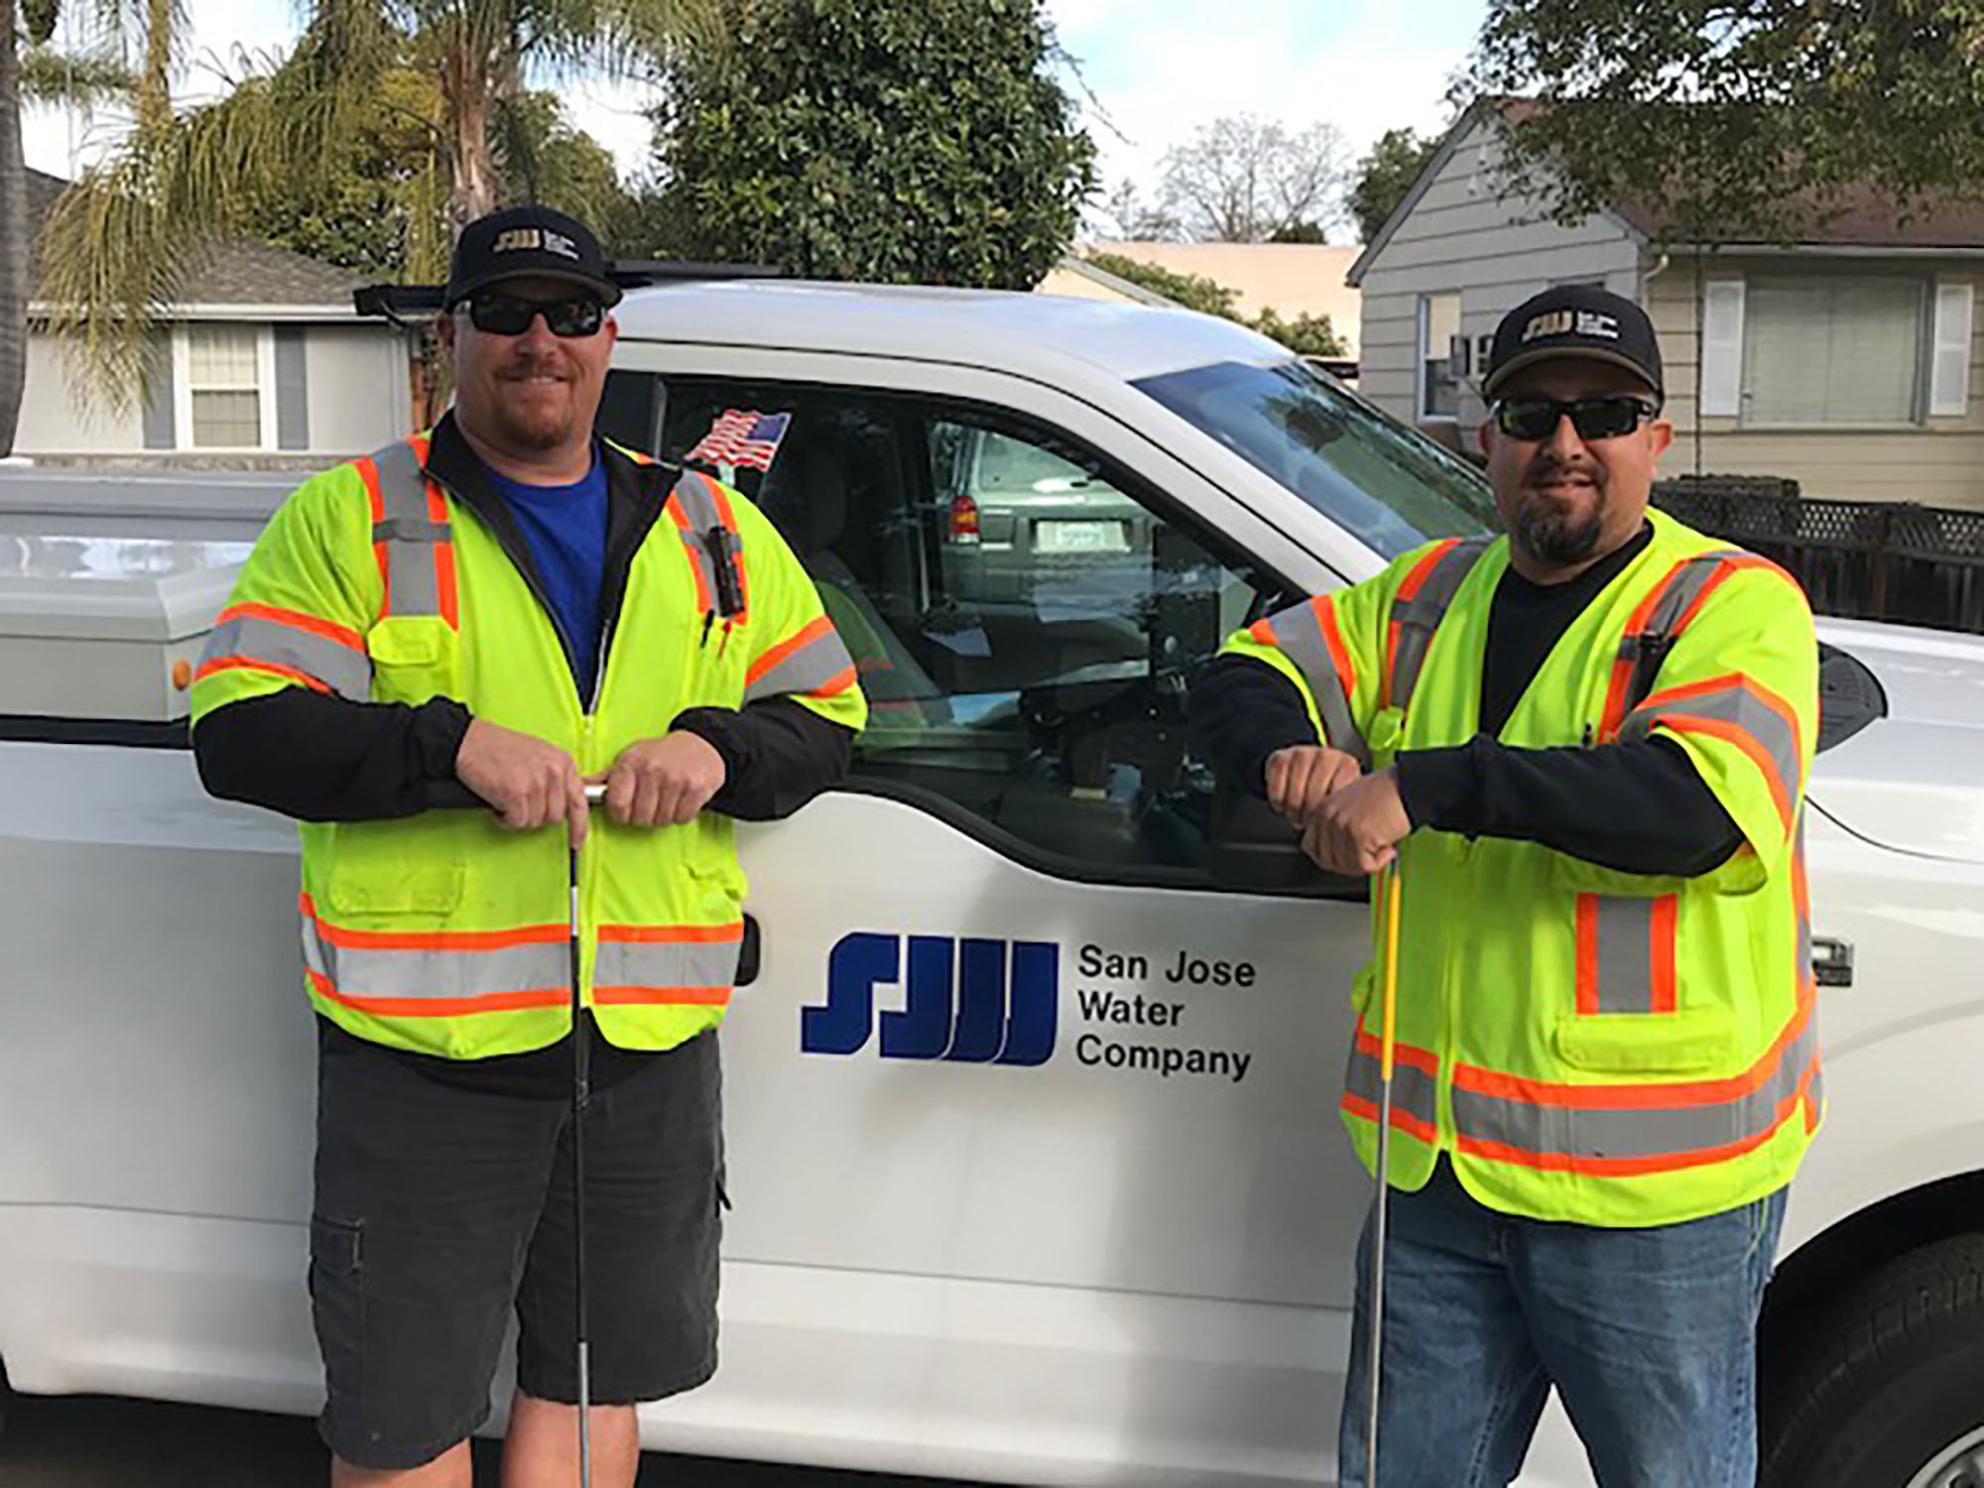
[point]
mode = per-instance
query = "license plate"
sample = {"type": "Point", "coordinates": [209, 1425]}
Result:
{"type": "Point", "coordinates": [1080, 537]}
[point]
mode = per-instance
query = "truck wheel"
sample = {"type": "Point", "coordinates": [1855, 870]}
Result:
{"type": "Point", "coordinates": [1885, 1393]}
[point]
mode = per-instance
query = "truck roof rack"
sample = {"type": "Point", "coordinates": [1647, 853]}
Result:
{"type": "Point", "coordinates": [403, 303]}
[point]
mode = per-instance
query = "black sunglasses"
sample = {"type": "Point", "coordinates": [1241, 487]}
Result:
{"type": "Point", "coordinates": [1593, 418]}
{"type": "Point", "coordinates": [510, 315]}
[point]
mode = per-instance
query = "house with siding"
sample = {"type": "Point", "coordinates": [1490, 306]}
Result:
{"type": "Point", "coordinates": [267, 364]}
{"type": "Point", "coordinates": [1852, 362]}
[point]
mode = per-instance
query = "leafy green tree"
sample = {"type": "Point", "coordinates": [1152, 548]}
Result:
{"type": "Point", "coordinates": [1309, 335]}
{"type": "Point", "coordinates": [1736, 119]}
{"type": "Point", "coordinates": [1385, 175]}
{"type": "Point", "coordinates": [1192, 291]}
{"type": "Point", "coordinates": [128, 234]}
{"type": "Point", "coordinates": [888, 140]}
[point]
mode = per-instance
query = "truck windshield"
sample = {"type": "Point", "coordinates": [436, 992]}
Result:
{"type": "Point", "coordinates": [1371, 476]}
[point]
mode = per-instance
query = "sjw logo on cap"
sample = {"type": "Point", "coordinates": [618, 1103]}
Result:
{"type": "Point", "coordinates": [969, 1001]}
{"type": "Point", "coordinates": [534, 239]}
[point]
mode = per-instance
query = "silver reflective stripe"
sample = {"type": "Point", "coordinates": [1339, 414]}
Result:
{"type": "Point", "coordinates": [365, 972]}
{"type": "Point", "coordinates": [1676, 1130]}
{"type": "Point", "coordinates": [1646, 648]}
{"type": "Point", "coordinates": [1625, 955]}
{"type": "Point", "coordinates": [1413, 1090]}
{"type": "Point", "coordinates": [1298, 633]}
{"type": "Point", "coordinates": [1418, 617]}
{"type": "Point", "coordinates": [409, 533]}
{"type": "Point", "coordinates": [251, 638]}
{"type": "Point", "coordinates": [1734, 704]}
{"type": "Point", "coordinates": [805, 670]}
{"type": "Point", "coordinates": [667, 963]}
{"type": "Point", "coordinates": [699, 507]}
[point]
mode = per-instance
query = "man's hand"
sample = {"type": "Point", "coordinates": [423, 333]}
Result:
{"type": "Point", "coordinates": [1301, 778]}
{"type": "Point", "coordinates": [1358, 828]}
{"type": "Point", "coordinates": [663, 782]}
{"type": "Point", "coordinates": [529, 783]}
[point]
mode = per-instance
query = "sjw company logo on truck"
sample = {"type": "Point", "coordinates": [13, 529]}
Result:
{"type": "Point", "coordinates": [967, 1000]}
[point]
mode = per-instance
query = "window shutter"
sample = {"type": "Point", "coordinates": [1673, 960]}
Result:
{"type": "Point", "coordinates": [1722, 348]}
{"type": "Point", "coordinates": [1949, 377]}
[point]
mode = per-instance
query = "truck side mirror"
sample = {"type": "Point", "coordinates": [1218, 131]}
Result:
{"type": "Point", "coordinates": [1253, 848]}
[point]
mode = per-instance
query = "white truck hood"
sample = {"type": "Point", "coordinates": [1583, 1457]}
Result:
{"type": "Point", "coordinates": [1913, 780]}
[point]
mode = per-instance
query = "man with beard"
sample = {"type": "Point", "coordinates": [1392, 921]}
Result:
{"type": "Point", "coordinates": [498, 614]}
{"type": "Point", "coordinates": [1582, 748]}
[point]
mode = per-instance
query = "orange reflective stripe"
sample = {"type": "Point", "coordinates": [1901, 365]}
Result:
{"type": "Point", "coordinates": [1402, 1119]}
{"type": "Point", "coordinates": [368, 472]}
{"type": "Point", "coordinates": [704, 604]}
{"type": "Point", "coordinates": [1587, 953]}
{"type": "Point", "coordinates": [1626, 1167]}
{"type": "Point", "coordinates": [1414, 581]}
{"type": "Point", "coordinates": [785, 648]}
{"type": "Point", "coordinates": [439, 1007]}
{"type": "Point", "coordinates": [1402, 1053]}
{"type": "Point", "coordinates": [1666, 919]}
{"type": "Point", "coordinates": [435, 940]}
{"type": "Point", "coordinates": [315, 624]}
{"type": "Point", "coordinates": [1740, 711]}
{"type": "Point", "coordinates": [661, 996]}
{"type": "Point", "coordinates": [444, 553]}
{"type": "Point", "coordinates": [249, 664]}
{"type": "Point", "coordinates": [1654, 1095]}
{"type": "Point", "coordinates": [671, 934]}
{"type": "Point", "coordinates": [1625, 953]}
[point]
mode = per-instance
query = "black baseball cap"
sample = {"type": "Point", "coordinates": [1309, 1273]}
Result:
{"type": "Point", "coordinates": [1574, 320]}
{"type": "Point", "coordinates": [527, 242]}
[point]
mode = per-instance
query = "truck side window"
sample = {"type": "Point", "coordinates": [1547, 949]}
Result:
{"type": "Point", "coordinates": [1026, 617]}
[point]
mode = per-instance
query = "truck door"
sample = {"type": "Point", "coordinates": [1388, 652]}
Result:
{"type": "Point", "coordinates": [1022, 1090]}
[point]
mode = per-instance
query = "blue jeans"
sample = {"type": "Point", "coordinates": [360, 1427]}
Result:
{"type": "Point", "coordinates": [1648, 1335]}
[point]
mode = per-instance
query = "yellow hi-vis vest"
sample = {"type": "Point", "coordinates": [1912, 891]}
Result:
{"type": "Point", "coordinates": [1587, 1045]}
{"type": "Point", "coordinates": [443, 932]}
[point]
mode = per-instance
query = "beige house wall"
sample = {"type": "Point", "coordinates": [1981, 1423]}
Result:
{"type": "Point", "coordinates": [1939, 462]}
{"type": "Point", "coordinates": [1062, 281]}
{"type": "Point", "coordinates": [1290, 278]}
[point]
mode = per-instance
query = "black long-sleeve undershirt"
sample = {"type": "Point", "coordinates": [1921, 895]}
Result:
{"type": "Point", "coordinates": [1638, 808]}
{"type": "Point", "coordinates": [317, 757]}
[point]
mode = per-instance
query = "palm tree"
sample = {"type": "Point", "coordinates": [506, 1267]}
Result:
{"type": "Point", "coordinates": [29, 71]}
{"type": "Point", "coordinates": [129, 232]}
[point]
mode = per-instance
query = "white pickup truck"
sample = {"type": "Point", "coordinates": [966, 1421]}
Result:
{"type": "Point", "coordinates": [1111, 1245]}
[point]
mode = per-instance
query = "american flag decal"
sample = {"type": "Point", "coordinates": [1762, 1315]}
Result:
{"type": "Point", "coordinates": [742, 436]}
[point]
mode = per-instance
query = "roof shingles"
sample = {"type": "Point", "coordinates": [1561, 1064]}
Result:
{"type": "Point", "coordinates": [236, 271]}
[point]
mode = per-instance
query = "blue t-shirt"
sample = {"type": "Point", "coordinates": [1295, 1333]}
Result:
{"type": "Point", "coordinates": [566, 529]}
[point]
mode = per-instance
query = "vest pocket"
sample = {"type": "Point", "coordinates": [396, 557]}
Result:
{"type": "Point", "coordinates": [413, 658]}
{"type": "Point", "coordinates": [1689, 1041]}
{"type": "Point", "coordinates": [396, 867]}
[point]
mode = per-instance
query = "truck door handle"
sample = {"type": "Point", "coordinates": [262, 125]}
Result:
{"type": "Point", "coordinates": [1832, 962]}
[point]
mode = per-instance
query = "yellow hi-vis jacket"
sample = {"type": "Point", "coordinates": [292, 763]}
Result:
{"type": "Point", "coordinates": [442, 932]}
{"type": "Point", "coordinates": [1587, 1045]}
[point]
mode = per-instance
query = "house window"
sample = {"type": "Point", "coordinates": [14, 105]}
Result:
{"type": "Point", "coordinates": [1820, 351]}
{"type": "Point", "coordinates": [224, 380]}
{"type": "Point", "coordinates": [1439, 378]}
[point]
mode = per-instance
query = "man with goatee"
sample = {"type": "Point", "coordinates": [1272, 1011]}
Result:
{"type": "Point", "coordinates": [1581, 746]}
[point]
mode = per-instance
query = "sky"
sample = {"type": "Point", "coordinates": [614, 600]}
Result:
{"type": "Point", "coordinates": [1156, 69]}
